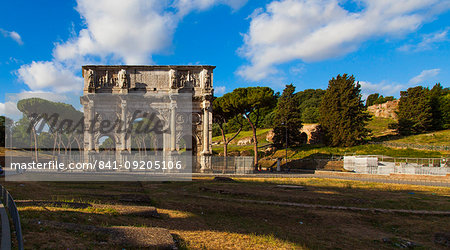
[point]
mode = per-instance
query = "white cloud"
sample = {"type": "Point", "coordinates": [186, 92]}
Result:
{"type": "Point", "coordinates": [51, 76]}
{"type": "Point", "coordinates": [428, 41]}
{"type": "Point", "coordinates": [297, 69]}
{"type": "Point", "coordinates": [129, 30]}
{"type": "Point", "coordinates": [424, 76]}
{"type": "Point", "coordinates": [220, 90]}
{"type": "Point", "coordinates": [13, 35]}
{"type": "Point", "coordinates": [314, 30]}
{"type": "Point", "coordinates": [115, 31]}
{"type": "Point", "coordinates": [13, 60]}
{"type": "Point", "coordinates": [9, 109]}
{"type": "Point", "coordinates": [51, 96]}
{"type": "Point", "coordinates": [387, 88]}
{"type": "Point", "coordinates": [384, 88]}
{"type": "Point", "coordinates": [186, 6]}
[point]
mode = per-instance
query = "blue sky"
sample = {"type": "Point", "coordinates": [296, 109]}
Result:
{"type": "Point", "coordinates": [388, 45]}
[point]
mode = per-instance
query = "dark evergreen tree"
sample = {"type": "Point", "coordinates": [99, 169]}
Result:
{"type": "Point", "coordinates": [268, 120]}
{"type": "Point", "coordinates": [343, 116]}
{"type": "Point", "coordinates": [377, 99]}
{"type": "Point", "coordinates": [371, 99]}
{"type": "Point", "coordinates": [383, 99]}
{"type": "Point", "coordinates": [309, 102]}
{"type": "Point", "coordinates": [445, 107]}
{"type": "Point", "coordinates": [415, 112]}
{"type": "Point", "coordinates": [439, 106]}
{"type": "Point", "coordinates": [287, 122]}
{"type": "Point", "coordinates": [310, 115]}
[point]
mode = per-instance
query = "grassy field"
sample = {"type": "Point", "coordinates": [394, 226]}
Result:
{"type": "Point", "coordinates": [203, 214]}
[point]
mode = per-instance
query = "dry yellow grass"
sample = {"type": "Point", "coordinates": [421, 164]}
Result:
{"type": "Point", "coordinates": [373, 186]}
{"type": "Point", "coordinates": [212, 224]}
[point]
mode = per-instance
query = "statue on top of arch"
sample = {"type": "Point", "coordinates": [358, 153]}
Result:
{"type": "Point", "coordinates": [122, 78]}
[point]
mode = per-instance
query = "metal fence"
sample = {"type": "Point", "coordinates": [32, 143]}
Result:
{"type": "Point", "coordinates": [224, 165]}
{"type": "Point", "coordinates": [10, 205]}
{"type": "Point", "coordinates": [427, 162]}
{"type": "Point", "coordinates": [416, 146]}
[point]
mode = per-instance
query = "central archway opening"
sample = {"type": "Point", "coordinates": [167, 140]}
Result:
{"type": "Point", "coordinates": [146, 136]}
{"type": "Point", "coordinates": [106, 144]}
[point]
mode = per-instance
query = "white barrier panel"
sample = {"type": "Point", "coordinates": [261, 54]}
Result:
{"type": "Point", "coordinates": [244, 165]}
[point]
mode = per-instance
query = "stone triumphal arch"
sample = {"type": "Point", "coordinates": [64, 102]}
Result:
{"type": "Point", "coordinates": [179, 97]}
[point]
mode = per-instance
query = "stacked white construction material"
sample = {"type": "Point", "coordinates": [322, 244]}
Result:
{"type": "Point", "coordinates": [386, 168]}
{"type": "Point", "coordinates": [361, 164]}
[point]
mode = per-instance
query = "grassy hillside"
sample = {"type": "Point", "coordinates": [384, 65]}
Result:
{"type": "Point", "coordinates": [438, 138]}
{"type": "Point", "coordinates": [367, 149]}
{"type": "Point", "coordinates": [435, 138]}
{"type": "Point", "coordinates": [260, 134]}
{"type": "Point", "coordinates": [380, 131]}
{"type": "Point", "coordinates": [320, 151]}
{"type": "Point", "coordinates": [379, 126]}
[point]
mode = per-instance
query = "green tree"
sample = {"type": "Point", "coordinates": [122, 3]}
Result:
{"type": "Point", "coordinates": [62, 119]}
{"type": "Point", "coordinates": [45, 140]}
{"type": "Point", "coordinates": [377, 99]}
{"type": "Point", "coordinates": [5, 130]}
{"type": "Point", "coordinates": [250, 103]}
{"type": "Point", "coordinates": [269, 120]}
{"type": "Point", "coordinates": [415, 113]}
{"type": "Point", "coordinates": [383, 99]}
{"type": "Point", "coordinates": [310, 115]}
{"type": "Point", "coordinates": [371, 99]}
{"type": "Point", "coordinates": [343, 116]}
{"type": "Point", "coordinates": [107, 145]}
{"type": "Point", "coordinates": [30, 108]}
{"type": "Point", "coordinates": [222, 114]}
{"type": "Point", "coordinates": [309, 101]}
{"type": "Point", "coordinates": [435, 101]}
{"type": "Point", "coordinates": [287, 122]}
{"type": "Point", "coordinates": [235, 123]}
{"type": "Point", "coordinates": [266, 116]}
{"type": "Point", "coordinates": [21, 137]}
{"type": "Point", "coordinates": [439, 106]}
{"type": "Point", "coordinates": [445, 107]}
{"type": "Point", "coordinates": [215, 130]}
